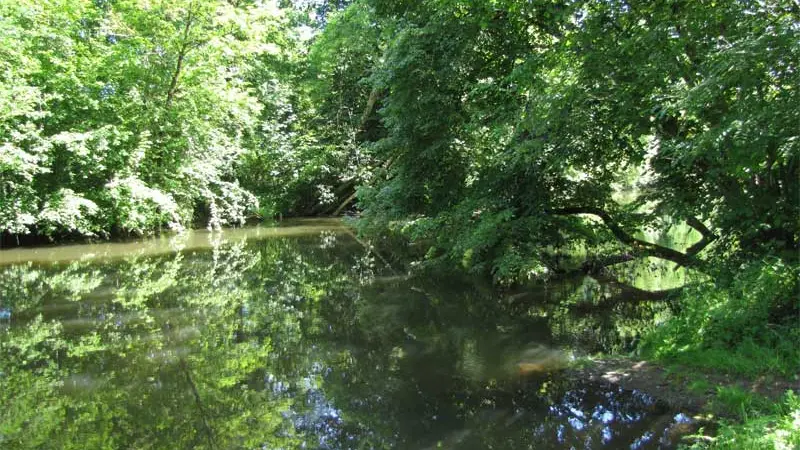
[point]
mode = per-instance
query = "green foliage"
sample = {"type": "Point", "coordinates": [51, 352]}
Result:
{"type": "Point", "coordinates": [748, 327]}
{"type": "Point", "coordinates": [134, 207]}
{"type": "Point", "coordinates": [510, 110]}
{"type": "Point", "coordinates": [505, 138]}
{"type": "Point", "coordinates": [165, 113]}
{"type": "Point", "coordinates": [773, 427]}
{"type": "Point", "coordinates": [315, 115]}
{"type": "Point", "coordinates": [131, 116]}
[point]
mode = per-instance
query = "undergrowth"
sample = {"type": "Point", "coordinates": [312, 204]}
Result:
{"type": "Point", "coordinates": [760, 426]}
{"type": "Point", "coordinates": [748, 327]}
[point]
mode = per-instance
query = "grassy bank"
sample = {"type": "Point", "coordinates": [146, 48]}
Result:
{"type": "Point", "coordinates": [740, 342]}
{"type": "Point", "coordinates": [760, 424]}
{"type": "Point", "coordinates": [747, 326]}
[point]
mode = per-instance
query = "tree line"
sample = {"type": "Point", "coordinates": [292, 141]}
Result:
{"type": "Point", "coordinates": [503, 134]}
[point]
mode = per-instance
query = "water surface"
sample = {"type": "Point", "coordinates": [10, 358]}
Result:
{"type": "Point", "coordinates": [299, 336]}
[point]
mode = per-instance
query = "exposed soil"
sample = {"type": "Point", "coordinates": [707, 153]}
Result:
{"type": "Point", "coordinates": [673, 386]}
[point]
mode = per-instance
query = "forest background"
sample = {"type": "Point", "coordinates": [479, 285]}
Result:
{"type": "Point", "coordinates": [517, 140]}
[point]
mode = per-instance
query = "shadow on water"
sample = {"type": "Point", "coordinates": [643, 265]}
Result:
{"type": "Point", "coordinates": [300, 337]}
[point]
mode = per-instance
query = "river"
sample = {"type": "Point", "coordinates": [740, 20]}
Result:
{"type": "Point", "coordinates": [301, 336]}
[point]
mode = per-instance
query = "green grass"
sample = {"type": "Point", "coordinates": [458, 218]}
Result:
{"type": "Point", "coordinates": [699, 386]}
{"type": "Point", "coordinates": [762, 425]}
{"type": "Point", "coordinates": [748, 359]}
{"type": "Point", "coordinates": [732, 401]}
{"type": "Point", "coordinates": [747, 328]}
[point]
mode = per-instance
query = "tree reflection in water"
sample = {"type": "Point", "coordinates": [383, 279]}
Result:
{"type": "Point", "coordinates": [300, 340]}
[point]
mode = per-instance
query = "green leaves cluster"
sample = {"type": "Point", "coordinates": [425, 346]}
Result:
{"type": "Point", "coordinates": [748, 326]}
{"type": "Point", "coordinates": [501, 112]}
{"type": "Point", "coordinates": [128, 116]}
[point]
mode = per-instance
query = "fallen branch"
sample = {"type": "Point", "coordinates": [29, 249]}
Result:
{"type": "Point", "coordinates": [344, 204]}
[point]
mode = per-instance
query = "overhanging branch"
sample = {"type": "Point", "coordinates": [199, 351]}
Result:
{"type": "Point", "coordinates": [639, 247]}
{"type": "Point", "coordinates": [707, 236]}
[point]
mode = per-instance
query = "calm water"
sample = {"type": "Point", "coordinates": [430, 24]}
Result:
{"type": "Point", "coordinates": [298, 337]}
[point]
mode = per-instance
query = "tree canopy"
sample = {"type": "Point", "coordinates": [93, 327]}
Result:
{"type": "Point", "coordinates": [504, 134]}
{"type": "Point", "coordinates": [546, 124]}
{"type": "Point", "coordinates": [130, 116]}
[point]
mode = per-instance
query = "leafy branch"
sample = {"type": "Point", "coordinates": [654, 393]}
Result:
{"type": "Point", "coordinates": [639, 248]}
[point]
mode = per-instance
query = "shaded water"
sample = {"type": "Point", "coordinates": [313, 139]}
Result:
{"type": "Point", "coordinates": [298, 337]}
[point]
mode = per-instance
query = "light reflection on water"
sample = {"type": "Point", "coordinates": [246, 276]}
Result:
{"type": "Point", "coordinates": [199, 239]}
{"type": "Point", "coordinates": [296, 337]}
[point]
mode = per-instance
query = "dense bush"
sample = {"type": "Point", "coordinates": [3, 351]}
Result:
{"type": "Point", "coordinates": [133, 116]}
{"type": "Point", "coordinates": [748, 325]}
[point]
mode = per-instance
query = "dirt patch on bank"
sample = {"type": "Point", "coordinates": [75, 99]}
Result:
{"type": "Point", "coordinates": [678, 389]}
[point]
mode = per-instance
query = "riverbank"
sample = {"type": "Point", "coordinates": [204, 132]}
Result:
{"type": "Point", "coordinates": [728, 411]}
{"type": "Point", "coordinates": [682, 388]}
